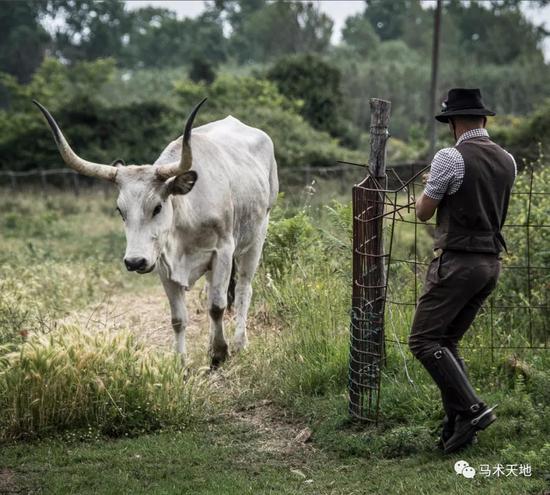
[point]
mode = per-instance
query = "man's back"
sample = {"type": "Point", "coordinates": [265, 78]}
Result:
{"type": "Point", "coordinates": [471, 218]}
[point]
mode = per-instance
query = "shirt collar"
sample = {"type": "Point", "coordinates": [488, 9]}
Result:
{"type": "Point", "coordinates": [473, 133]}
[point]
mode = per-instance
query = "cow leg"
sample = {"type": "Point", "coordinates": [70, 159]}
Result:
{"type": "Point", "coordinates": [246, 265]}
{"type": "Point", "coordinates": [176, 297]}
{"type": "Point", "coordinates": [218, 282]}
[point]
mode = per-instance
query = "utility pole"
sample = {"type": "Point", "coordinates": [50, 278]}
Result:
{"type": "Point", "coordinates": [435, 67]}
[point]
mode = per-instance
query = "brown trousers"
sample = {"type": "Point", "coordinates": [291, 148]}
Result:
{"type": "Point", "coordinates": [457, 283]}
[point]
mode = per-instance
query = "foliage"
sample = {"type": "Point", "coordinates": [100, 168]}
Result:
{"type": "Point", "coordinates": [264, 30]}
{"type": "Point", "coordinates": [91, 30]}
{"type": "Point", "coordinates": [23, 40]}
{"type": "Point", "coordinates": [316, 82]}
{"type": "Point", "coordinates": [528, 246]}
{"type": "Point", "coordinates": [52, 79]}
{"type": "Point", "coordinates": [359, 34]}
{"type": "Point", "coordinates": [383, 54]}
{"type": "Point", "coordinates": [99, 133]}
{"type": "Point", "coordinates": [201, 71]}
{"type": "Point", "coordinates": [157, 38]}
{"type": "Point", "coordinates": [527, 138]}
{"type": "Point", "coordinates": [102, 129]}
{"type": "Point", "coordinates": [258, 102]}
{"type": "Point", "coordinates": [390, 19]}
{"type": "Point", "coordinates": [288, 237]}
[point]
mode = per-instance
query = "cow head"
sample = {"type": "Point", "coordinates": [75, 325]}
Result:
{"type": "Point", "coordinates": [143, 194]}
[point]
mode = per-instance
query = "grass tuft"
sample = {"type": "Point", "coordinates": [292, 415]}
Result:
{"type": "Point", "coordinates": [72, 378]}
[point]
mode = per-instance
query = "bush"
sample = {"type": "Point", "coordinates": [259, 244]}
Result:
{"type": "Point", "coordinates": [287, 239]}
{"type": "Point", "coordinates": [528, 138]}
{"type": "Point", "coordinates": [316, 83]}
{"type": "Point", "coordinates": [96, 132]}
{"type": "Point", "coordinates": [258, 103]}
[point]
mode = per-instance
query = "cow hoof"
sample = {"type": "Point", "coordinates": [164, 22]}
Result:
{"type": "Point", "coordinates": [218, 356]}
{"type": "Point", "coordinates": [217, 361]}
{"type": "Point", "coordinates": [240, 343]}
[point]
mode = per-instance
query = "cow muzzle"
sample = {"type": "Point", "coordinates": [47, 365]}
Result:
{"type": "Point", "coordinates": [138, 265]}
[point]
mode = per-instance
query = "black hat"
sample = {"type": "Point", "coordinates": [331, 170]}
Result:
{"type": "Point", "coordinates": [462, 101]}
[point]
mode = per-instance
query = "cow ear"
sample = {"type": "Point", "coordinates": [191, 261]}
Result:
{"type": "Point", "coordinates": [118, 163]}
{"type": "Point", "coordinates": [182, 184]}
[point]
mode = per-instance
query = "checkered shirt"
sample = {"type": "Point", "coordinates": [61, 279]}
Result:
{"type": "Point", "coordinates": [447, 168]}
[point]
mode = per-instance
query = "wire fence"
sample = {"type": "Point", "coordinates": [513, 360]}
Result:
{"type": "Point", "coordinates": [334, 180]}
{"type": "Point", "coordinates": [515, 317]}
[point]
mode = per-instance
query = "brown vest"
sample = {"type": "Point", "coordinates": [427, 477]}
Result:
{"type": "Point", "coordinates": [471, 219]}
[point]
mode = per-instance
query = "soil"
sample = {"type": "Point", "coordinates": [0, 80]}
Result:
{"type": "Point", "coordinates": [147, 314]}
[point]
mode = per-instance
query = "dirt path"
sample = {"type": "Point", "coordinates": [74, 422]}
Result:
{"type": "Point", "coordinates": [146, 312]}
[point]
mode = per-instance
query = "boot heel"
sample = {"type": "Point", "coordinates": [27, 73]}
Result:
{"type": "Point", "coordinates": [484, 419]}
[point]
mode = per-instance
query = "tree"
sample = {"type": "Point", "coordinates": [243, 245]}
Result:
{"type": "Point", "coordinates": [389, 19]}
{"type": "Point", "coordinates": [359, 34]}
{"type": "Point", "coordinates": [261, 30]}
{"type": "Point", "coordinates": [159, 39]}
{"type": "Point", "coordinates": [90, 29]}
{"type": "Point", "coordinates": [485, 33]}
{"type": "Point", "coordinates": [317, 83]}
{"type": "Point", "coordinates": [23, 41]}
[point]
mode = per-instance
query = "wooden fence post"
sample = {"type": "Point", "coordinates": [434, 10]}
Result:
{"type": "Point", "coordinates": [369, 280]}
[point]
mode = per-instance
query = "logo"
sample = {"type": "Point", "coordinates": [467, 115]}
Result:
{"type": "Point", "coordinates": [463, 468]}
{"type": "Point", "coordinates": [498, 470]}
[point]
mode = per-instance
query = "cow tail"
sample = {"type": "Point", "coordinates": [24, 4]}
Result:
{"type": "Point", "coordinates": [231, 288]}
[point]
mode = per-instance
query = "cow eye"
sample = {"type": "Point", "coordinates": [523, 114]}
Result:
{"type": "Point", "coordinates": [120, 213]}
{"type": "Point", "coordinates": [157, 209]}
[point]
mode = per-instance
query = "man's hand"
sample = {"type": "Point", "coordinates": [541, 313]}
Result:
{"type": "Point", "coordinates": [425, 207]}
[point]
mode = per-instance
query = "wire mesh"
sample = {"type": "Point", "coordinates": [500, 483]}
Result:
{"type": "Point", "coordinates": [391, 251]}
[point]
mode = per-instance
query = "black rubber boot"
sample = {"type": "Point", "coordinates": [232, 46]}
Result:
{"type": "Point", "coordinates": [448, 424]}
{"type": "Point", "coordinates": [472, 413]}
{"type": "Point", "coordinates": [466, 428]}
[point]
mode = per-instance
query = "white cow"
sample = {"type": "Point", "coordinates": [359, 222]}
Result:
{"type": "Point", "coordinates": [201, 209]}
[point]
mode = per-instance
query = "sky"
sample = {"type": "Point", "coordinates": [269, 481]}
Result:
{"type": "Point", "coordinates": [338, 10]}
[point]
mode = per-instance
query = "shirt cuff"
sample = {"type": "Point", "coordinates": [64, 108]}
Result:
{"type": "Point", "coordinates": [433, 194]}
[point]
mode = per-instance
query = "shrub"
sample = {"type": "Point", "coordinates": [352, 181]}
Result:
{"type": "Point", "coordinates": [316, 83]}
{"type": "Point", "coordinates": [258, 103]}
{"type": "Point", "coordinates": [95, 132]}
{"type": "Point", "coordinates": [287, 239]}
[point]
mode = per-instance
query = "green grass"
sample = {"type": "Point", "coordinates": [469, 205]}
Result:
{"type": "Point", "coordinates": [61, 253]}
{"type": "Point", "coordinates": [227, 457]}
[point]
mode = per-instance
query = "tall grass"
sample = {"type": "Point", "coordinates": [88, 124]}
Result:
{"type": "Point", "coordinates": [71, 379]}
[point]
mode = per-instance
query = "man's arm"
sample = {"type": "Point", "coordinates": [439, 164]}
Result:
{"type": "Point", "coordinates": [425, 207]}
{"type": "Point", "coordinates": [443, 172]}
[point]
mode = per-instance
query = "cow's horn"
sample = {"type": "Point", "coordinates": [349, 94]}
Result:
{"type": "Point", "coordinates": [171, 169]}
{"type": "Point", "coordinates": [71, 158]}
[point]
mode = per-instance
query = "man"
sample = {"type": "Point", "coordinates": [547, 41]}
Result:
{"type": "Point", "coordinates": [469, 185]}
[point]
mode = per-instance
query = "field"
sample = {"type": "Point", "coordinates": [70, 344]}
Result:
{"type": "Point", "coordinates": [93, 400]}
